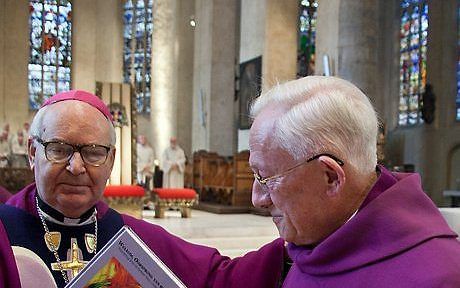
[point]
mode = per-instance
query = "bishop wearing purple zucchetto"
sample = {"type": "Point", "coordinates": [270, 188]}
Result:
{"type": "Point", "coordinates": [71, 151]}
{"type": "Point", "coordinates": [349, 222]}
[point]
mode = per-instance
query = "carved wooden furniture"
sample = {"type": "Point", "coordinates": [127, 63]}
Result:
{"type": "Point", "coordinates": [243, 180]}
{"type": "Point", "coordinates": [182, 198]}
{"type": "Point", "coordinates": [127, 199]}
{"type": "Point", "coordinates": [223, 180]}
{"type": "Point", "coordinates": [14, 179]}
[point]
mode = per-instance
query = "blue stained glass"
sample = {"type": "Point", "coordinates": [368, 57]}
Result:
{"type": "Point", "coordinates": [307, 38]}
{"type": "Point", "coordinates": [50, 26]}
{"type": "Point", "coordinates": [413, 43]}
{"type": "Point", "coordinates": [138, 28]}
{"type": "Point", "coordinates": [457, 102]}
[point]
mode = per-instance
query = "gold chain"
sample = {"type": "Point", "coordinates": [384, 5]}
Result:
{"type": "Point", "coordinates": [53, 248]}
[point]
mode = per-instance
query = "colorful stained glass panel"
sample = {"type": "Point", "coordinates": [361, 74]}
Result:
{"type": "Point", "coordinates": [457, 104]}
{"type": "Point", "coordinates": [137, 50]}
{"type": "Point", "coordinates": [50, 26]}
{"type": "Point", "coordinates": [307, 38]}
{"type": "Point", "coordinates": [413, 43]}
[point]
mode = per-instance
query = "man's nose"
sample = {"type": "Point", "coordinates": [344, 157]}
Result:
{"type": "Point", "coordinates": [76, 164]}
{"type": "Point", "coordinates": [260, 198]}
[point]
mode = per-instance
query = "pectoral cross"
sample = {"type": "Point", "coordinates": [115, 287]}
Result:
{"type": "Point", "coordinates": [74, 263]}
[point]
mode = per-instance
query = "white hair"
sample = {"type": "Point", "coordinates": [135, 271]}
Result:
{"type": "Point", "coordinates": [36, 127]}
{"type": "Point", "coordinates": [324, 114]}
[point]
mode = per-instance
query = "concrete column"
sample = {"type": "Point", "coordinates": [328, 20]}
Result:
{"type": "Point", "coordinates": [184, 47]}
{"type": "Point", "coordinates": [84, 42]}
{"type": "Point", "coordinates": [327, 35]}
{"type": "Point", "coordinates": [14, 47]}
{"type": "Point", "coordinates": [2, 61]}
{"type": "Point", "coordinates": [164, 71]}
{"type": "Point", "coordinates": [279, 61]}
{"type": "Point", "coordinates": [214, 75]}
{"type": "Point", "coordinates": [109, 36]}
{"type": "Point", "coordinates": [358, 44]}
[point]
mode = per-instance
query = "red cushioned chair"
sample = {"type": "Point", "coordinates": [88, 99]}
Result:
{"type": "Point", "coordinates": [127, 199]}
{"type": "Point", "coordinates": [182, 198]}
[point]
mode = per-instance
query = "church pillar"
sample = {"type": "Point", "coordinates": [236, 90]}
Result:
{"type": "Point", "coordinates": [2, 61]}
{"type": "Point", "coordinates": [109, 36]}
{"type": "Point", "coordinates": [268, 29]}
{"type": "Point", "coordinates": [164, 96]}
{"type": "Point", "coordinates": [358, 44]}
{"type": "Point", "coordinates": [97, 37]}
{"type": "Point", "coordinates": [279, 60]}
{"type": "Point", "coordinates": [184, 51]}
{"type": "Point", "coordinates": [14, 49]}
{"type": "Point", "coordinates": [84, 41]}
{"type": "Point", "coordinates": [214, 76]}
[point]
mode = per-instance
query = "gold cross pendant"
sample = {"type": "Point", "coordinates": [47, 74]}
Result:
{"type": "Point", "coordinates": [74, 263]}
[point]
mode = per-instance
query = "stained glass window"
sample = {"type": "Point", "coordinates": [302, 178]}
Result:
{"type": "Point", "coordinates": [50, 24]}
{"type": "Point", "coordinates": [458, 64]}
{"type": "Point", "coordinates": [413, 45]}
{"type": "Point", "coordinates": [137, 50]}
{"type": "Point", "coordinates": [307, 36]}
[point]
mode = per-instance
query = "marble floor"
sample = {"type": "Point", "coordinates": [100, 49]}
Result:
{"type": "Point", "coordinates": [232, 234]}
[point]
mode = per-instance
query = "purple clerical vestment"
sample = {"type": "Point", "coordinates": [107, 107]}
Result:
{"type": "Point", "coordinates": [398, 239]}
{"type": "Point", "coordinates": [197, 266]}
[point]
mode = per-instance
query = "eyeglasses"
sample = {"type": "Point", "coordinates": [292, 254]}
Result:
{"type": "Point", "coordinates": [264, 180]}
{"type": "Point", "coordinates": [60, 152]}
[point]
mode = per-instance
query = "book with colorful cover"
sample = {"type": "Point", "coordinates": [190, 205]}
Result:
{"type": "Point", "coordinates": [126, 261]}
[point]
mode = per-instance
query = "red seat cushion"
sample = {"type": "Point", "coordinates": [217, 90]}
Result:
{"type": "Point", "coordinates": [124, 191]}
{"type": "Point", "coordinates": [175, 193]}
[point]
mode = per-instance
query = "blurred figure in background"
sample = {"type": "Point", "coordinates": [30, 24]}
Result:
{"type": "Point", "coordinates": [173, 165]}
{"type": "Point", "coordinates": [25, 130]}
{"type": "Point", "coordinates": [19, 150]}
{"type": "Point", "coordinates": [4, 149]}
{"type": "Point", "coordinates": [145, 162]}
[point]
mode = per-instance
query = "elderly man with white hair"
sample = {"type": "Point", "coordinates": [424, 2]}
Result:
{"type": "Point", "coordinates": [349, 222]}
{"type": "Point", "coordinates": [61, 220]}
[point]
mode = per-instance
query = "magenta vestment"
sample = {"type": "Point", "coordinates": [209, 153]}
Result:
{"type": "Point", "coordinates": [196, 265]}
{"type": "Point", "coordinates": [398, 239]}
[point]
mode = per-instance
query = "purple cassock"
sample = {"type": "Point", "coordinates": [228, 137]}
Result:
{"type": "Point", "coordinates": [398, 238]}
{"type": "Point", "coordinates": [197, 266]}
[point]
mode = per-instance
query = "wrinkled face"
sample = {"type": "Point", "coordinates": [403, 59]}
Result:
{"type": "Point", "coordinates": [173, 142]}
{"type": "Point", "coordinates": [297, 200]}
{"type": "Point", "coordinates": [142, 139]}
{"type": "Point", "coordinates": [72, 187]}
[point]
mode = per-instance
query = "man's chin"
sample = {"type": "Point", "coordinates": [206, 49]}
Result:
{"type": "Point", "coordinates": [74, 205]}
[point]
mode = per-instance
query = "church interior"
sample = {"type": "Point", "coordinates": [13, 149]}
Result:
{"type": "Point", "coordinates": [189, 69]}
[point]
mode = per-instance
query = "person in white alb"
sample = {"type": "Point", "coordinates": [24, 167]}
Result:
{"type": "Point", "coordinates": [4, 149]}
{"type": "Point", "coordinates": [145, 161]}
{"type": "Point", "coordinates": [19, 150]}
{"type": "Point", "coordinates": [25, 130]}
{"type": "Point", "coordinates": [173, 165]}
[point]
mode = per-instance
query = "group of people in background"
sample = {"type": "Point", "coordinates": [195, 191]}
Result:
{"type": "Point", "coordinates": [173, 164]}
{"type": "Point", "coordinates": [13, 147]}
{"type": "Point", "coordinates": [13, 153]}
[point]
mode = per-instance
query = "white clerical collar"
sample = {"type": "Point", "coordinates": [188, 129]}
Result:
{"type": "Point", "coordinates": [52, 215]}
{"type": "Point", "coordinates": [69, 221]}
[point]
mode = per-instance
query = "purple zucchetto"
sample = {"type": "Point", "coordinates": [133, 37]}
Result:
{"type": "Point", "coordinates": [83, 96]}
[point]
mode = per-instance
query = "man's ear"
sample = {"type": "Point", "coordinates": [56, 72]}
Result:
{"type": "Point", "coordinates": [334, 175]}
{"type": "Point", "coordinates": [31, 149]}
{"type": "Point", "coordinates": [112, 157]}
